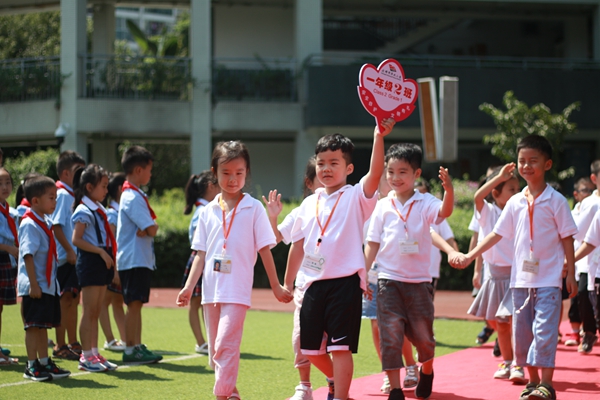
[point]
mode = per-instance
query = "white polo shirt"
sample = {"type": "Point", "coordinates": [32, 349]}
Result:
{"type": "Point", "coordinates": [342, 243]}
{"type": "Point", "coordinates": [502, 253]}
{"type": "Point", "coordinates": [593, 237]}
{"type": "Point", "coordinates": [583, 219]}
{"type": "Point", "coordinates": [443, 229]}
{"type": "Point", "coordinates": [387, 229]}
{"type": "Point", "coordinates": [552, 221]}
{"type": "Point", "coordinates": [250, 232]}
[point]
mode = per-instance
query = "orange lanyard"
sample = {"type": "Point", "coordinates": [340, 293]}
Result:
{"type": "Point", "coordinates": [226, 230]}
{"type": "Point", "coordinates": [323, 228]}
{"type": "Point", "coordinates": [400, 215]}
{"type": "Point", "coordinates": [530, 209]}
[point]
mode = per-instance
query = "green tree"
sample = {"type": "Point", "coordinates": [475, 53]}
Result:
{"type": "Point", "coordinates": [40, 161]}
{"type": "Point", "coordinates": [518, 121]}
{"type": "Point", "coordinates": [174, 43]}
{"type": "Point", "coordinates": [30, 35]}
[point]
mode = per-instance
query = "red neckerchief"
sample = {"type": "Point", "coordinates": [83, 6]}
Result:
{"type": "Point", "coordinates": [110, 238]}
{"type": "Point", "coordinates": [128, 185]}
{"type": "Point", "coordinates": [11, 222]}
{"type": "Point", "coordinates": [25, 202]}
{"type": "Point", "coordinates": [52, 244]}
{"type": "Point", "coordinates": [61, 185]}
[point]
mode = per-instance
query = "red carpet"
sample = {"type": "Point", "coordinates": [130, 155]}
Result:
{"type": "Point", "coordinates": [467, 374]}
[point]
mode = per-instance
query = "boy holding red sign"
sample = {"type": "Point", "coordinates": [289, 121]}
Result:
{"type": "Point", "coordinates": [327, 245]}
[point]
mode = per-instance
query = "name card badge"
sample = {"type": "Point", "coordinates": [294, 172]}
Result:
{"type": "Point", "coordinates": [222, 264]}
{"type": "Point", "coordinates": [409, 246]}
{"type": "Point", "coordinates": [531, 265]}
{"type": "Point", "coordinates": [313, 261]}
{"type": "Point", "coordinates": [373, 275]}
{"type": "Point", "coordinates": [385, 92]}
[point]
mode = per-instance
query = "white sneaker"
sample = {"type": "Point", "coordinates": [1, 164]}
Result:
{"type": "Point", "coordinates": [303, 392]}
{"type": "Point", "coordinates": [91, 364]}
{"type": "Point", "coordinates": [503, 371]}
{"type": "Point", "coordinates": [202, 349]}
{"type": "Point", "coordinates": [412, 376]}
{"type": "Point", "coordinates": [114, 345]}
{"type": "Point", "coordinates": [109, 366]}
{"type": "Point", "coordinates": [517, 375]}
{"type": "Point", "coordinates": [385, 387]}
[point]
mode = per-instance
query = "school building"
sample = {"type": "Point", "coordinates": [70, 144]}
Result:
{"type": "Point", "coordinates": [279, 74]}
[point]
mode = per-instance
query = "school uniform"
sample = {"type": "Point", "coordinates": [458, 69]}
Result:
{"type": "Point", "coordinates": [135, 254]}
{"type": "Point", "coordinates": [593, 237]}
{"type": "Point", "coordinates": [8, 264]}
{"type": "Point", "coordinates": [536, 288]}
{"type": "Point", "coordinates": [67, 276]}
{"type": "Point", "coordinates": [192, 228]}
{"type": "Point", "coordinates": [34, 241]}
{"type": "Point", "coordinates": [404, 292]}
{"type": "Point", "coordinates": [334, 285]}
{"type": "Point", "coordinates": [494, 299]}
{"type": "Point", "coordinates": [443, 229]}
{"type": "Point", "coordinates": [91, 268]}
{"type": "Point", "coordinates": [227, 289]}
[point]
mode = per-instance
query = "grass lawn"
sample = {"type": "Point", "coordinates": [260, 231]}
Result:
{"type": "Point", "coordinates": [266, 368]}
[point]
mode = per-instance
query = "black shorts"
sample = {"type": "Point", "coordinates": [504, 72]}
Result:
{"type": "Point", "coordinates": [67, 279]}
{"type": "Point", "coordinates": [333, 307]}
{"type": "Point", "coordinates": [135, 283]}
{"type": "Point", "coordinates": [41, 313]}
{"type": "Point", "coordinates": [91, 269]}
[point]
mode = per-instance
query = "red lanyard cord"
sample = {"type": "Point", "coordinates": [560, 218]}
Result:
{"type": "Point", "coordinates": [324, 228]}
{"type": "Point", "coordinates": [226, 229]}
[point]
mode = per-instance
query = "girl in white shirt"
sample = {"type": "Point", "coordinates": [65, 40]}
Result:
{"type": "Point", "coordinates": [231, 230]}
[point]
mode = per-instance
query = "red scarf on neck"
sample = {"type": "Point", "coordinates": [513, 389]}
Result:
{"type": "Point", "coordinates": [11, 222]}
{"type": "Point", "coordinates": [61, 185]}
{"type": "Point", "coordinates": [128, 185]}
{"type": "Point", "coordinates": [52, 243]}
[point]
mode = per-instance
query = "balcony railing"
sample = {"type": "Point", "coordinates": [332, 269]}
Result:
{"type": "Point", "coordinates": [254, 79]}
{"type": "Point", "coordinates": [137, 78]}
{"type": "Point", "coordinates": [30, 79]}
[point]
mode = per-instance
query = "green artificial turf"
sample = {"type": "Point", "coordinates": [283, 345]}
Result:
{"type": "Point", "coordinates": [266, 367]}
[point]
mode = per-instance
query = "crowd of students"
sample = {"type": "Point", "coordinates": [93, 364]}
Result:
{"type": "Point", "coordinates": [367, 250]}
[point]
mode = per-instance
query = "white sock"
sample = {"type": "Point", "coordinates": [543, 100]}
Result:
{"type": "Point", "coordinates": [44, 361]}
{"type": "Point", "coordinates": [30, 363]}
{"type": "Point", "coordinates": [129, 350]}
{"type": "Point", "coordinates": [95, 351]}
{"type": "Point", "coordinates": [87, 354]}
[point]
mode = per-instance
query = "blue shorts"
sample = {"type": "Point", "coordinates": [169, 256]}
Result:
{"type": "Point", "coordinates": [535, 325]}
{"type": "Point", "coordinates": [369, 307]}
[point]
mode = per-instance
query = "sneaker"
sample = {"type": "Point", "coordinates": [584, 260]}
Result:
{"type": "Point", "coordinates": [587, 344]}
{"type": "Point", "coordinates": [37, 372]}
{"type": "Point", "coordinates": [109, 366]}
{"type": "Point", "coordinates": [331, 393]}
{"type": "Point", "coordinates": [76, 348]}
{"type": "Point", "coordinates": [202, 349]}
{"type": "Point", "coordinates": [496, 350]}
{"type": "Point", "coordinates": [527, 391]}
{"type": "Point", "coordinates": [396, 394]}
{"type": "Point", "coordinates": [385, 387]}
{"type": "Point", "coordinates": [145, 350]}
{"type": "Point", "coordinates": [543, 392]}
{"type": "Point", "coordinates": [65, 353]}
{"type": "Point", "coordinates": [572, 339]}
{"type": "Point", "coordinates": [423, 390]}
{"type": "Point", "coordinates": [114, 345]}
{"type": "Point", "coordinates": [139, 357]}
{"type": "Point", "coordinates": [303, 392]}
{"type": "Point", "coordinates": [91, 364]}
{"type": "Point", "coordinates": [55, 371]}
{"type": "Point", "coordinates": [412, 377]}
{"type": "Point", "coordinates": [517, 375]}
{"type": "Point", "coordinates": [484, 335]}
{"type": "Point", "coordinates": [503, 371]}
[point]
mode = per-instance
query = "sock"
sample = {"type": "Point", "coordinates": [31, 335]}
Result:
{"type": "Point", "coordinates": [44, 361]}
{"type": "Point", "coordinates": [95, 351]}
{"type": "Point", "coordinates": [129, 350]}
{"type": "Point", "coordinates": [508, 362]}
{"type": "Point", "coordinates": [30, 363]}
{"type": "Point", "coordinates": [87, 354]}
{"type": "Point", "coordinates": [305, 383]}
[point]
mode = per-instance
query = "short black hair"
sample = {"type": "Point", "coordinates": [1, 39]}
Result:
{"type": "Point", "coordinates": [536, 142]}
{"type": "Point", "coordinates": [135, 156]}
{"type": "Point", "coordinates": [37, 186]}
{"type": "Point", "coordinates": [409, 152]}
{"type": "Point", "coordinates": [67, 159]}
{"type": "Point", "coordinates": [117, 179]}
{"type": "Point", "coordinates": [335, 142]}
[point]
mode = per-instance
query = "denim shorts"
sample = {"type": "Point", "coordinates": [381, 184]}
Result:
{"type": "Point", "coordinates": [369, 307]}
{"type": "Point", "coordinates": [535, 325]}
{"type": "Point", "coordinates": [404, 309]}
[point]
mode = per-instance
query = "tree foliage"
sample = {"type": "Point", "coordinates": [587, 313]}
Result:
{"type": "Point", "coordinates": [519, 120]}
{"type": "Point", "coordinates": [40, 161]}
{"type": "Point", "coordinates": [30, 35]}
{"type": "Point", "coordinates": [172, 43]}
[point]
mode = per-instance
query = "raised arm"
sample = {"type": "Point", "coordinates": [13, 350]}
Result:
{"type": "Point", "coordinates": [505, 174]}
{"type": "Point", "coordinates": [274, 207]}
{"type": "Point", "coordinates": [377, 158]}
{"type": "Point", "coordinates": [448, 201]}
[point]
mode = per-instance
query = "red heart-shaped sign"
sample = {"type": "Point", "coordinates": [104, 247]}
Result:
{"type": "Point", "coordinates": [385, 93]}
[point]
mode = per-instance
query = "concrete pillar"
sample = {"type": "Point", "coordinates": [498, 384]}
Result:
{"type": "Point", "coordinates": [596, 33]}
{"type": "Point", "coordinates": [103, 37]}
{"type": "Point", "coordinates": [201, 107]}
{"type": "Point", "coordinates": [576, 38]}
{"type": "Point", "coordinates": [308, 23]}
{"type": "Point", "coordinates": [72, 44]}
{"type": "Point", "coordinates": [104, 152]}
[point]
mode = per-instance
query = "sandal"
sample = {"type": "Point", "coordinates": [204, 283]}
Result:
{"type": "Point", "coordinates": [484, 335]}
{"type": "Point", "coordinates": [76, 348]}
{"type": "Point", "coordinates": [527, 391]}
{"type": "Point", "coordinates": [5, 360]}
{"type": "Point", "coordinates": [65, 353]}
{"type": "Point", "coordinates": [543, 392]}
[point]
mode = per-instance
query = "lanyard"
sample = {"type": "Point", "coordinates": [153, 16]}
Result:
{"type": "Point", "coordinates": [128, 185]}
{"type": "Point", "coordinates": [61, 185]}
{"type": "Point", "coordinates": [324, 228]}
{"type": "Point", "coordinates": [11, 222]}
{"type": "Point", "coordinates": [400, 215]}
{"type": "Point", "coordinates": [225, 229]}
{"type": "Point", "coordinates": [530, 209]}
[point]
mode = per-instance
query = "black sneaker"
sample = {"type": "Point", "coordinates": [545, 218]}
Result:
{"type": "Point", "coordinates": [331, 385]}
{"type": "Point", "coordinates": [396, 394]}
{"type": "Point", "coordinates": [496, 351]}
{"type": "Point", "coordinates": [587, 344]}
{"type": "Point", "coordinates": [484, 335]}
{"type": "Point", "coordinates": [423, 390]}
{"type": "Point", "coordinates": [37, 373]}
{"type": "Point", "coordinates": [55, 371]}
